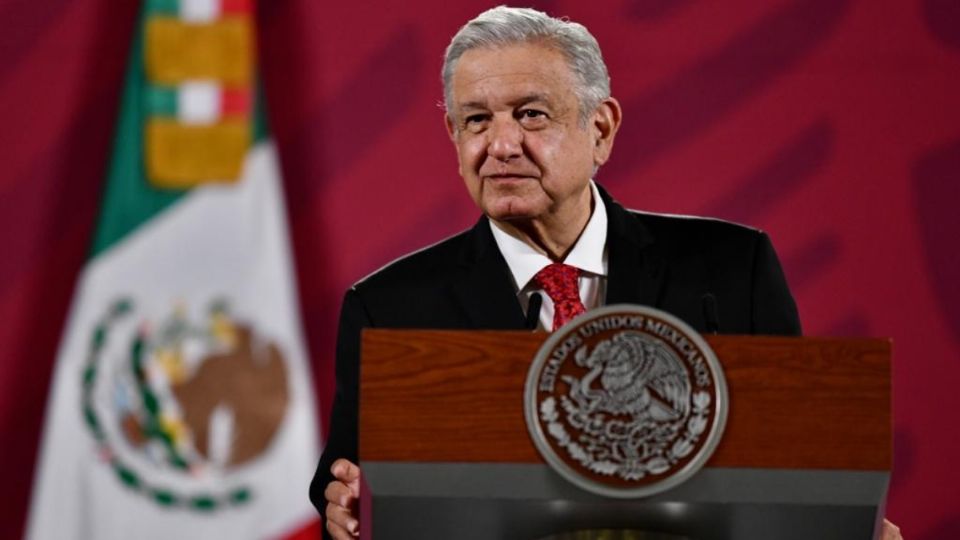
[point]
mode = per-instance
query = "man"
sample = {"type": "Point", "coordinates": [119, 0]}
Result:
{"type": "Point", "coordinates": [529, 110]}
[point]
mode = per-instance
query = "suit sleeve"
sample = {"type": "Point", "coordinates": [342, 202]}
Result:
{"type": "Point", "coordinates": [342, 440]}
{"type": "Point", "coordinates": [773, 310]}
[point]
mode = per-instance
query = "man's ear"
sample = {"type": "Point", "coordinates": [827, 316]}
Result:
{"type": "Point", "coordinates": [605, 123]}
{"type": "Point", "coordinates": [452, 132]}
{"type": "Point", "coordinates": [451, 127]}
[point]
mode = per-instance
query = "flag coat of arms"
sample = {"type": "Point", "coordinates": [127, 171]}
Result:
{"type": "Point", "coordinates": [181, 404]}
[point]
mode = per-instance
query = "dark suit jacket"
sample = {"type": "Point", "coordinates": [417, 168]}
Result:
{"type": "Point", "coordinates": [668, 262]}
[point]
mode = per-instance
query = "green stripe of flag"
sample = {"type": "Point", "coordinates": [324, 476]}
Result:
{"type": "Point", "coordinates": [129, 200]}
{"type": "Point", "coordinates": [261, 129]}
{"type": "Point", "coordinates": [160, 100]}
{"type": "Point", "coordinates": [163, 7]}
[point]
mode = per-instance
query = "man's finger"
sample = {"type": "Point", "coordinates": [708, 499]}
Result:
{"type": "Point", "coordinates": [890, 531]}
{"type": "Point", "coordinates": [348, 473]}
{"type": "Point", "coordinates": [339, 494]}
{"type": "Point", "coordinates": [341, 523]}
{"type": "Point", "coordinates": [338, 533]}
{"type": "Point", "coordinates": [345, 471]}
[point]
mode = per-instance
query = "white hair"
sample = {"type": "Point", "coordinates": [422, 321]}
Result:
{"type": "Point", "coordinates": [504, 25]}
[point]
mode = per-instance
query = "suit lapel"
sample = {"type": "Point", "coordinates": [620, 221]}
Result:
{"type": "Point", "coordinates": [636, 274]}
{"type": "Point", "coordinates": [485, 291]}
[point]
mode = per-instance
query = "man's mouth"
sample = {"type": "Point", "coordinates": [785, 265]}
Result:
{"type": "Point", "coordinates": [508, 176]}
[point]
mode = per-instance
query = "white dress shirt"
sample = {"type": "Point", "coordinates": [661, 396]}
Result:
{"type": "Point", "coordinates": [589, 254]}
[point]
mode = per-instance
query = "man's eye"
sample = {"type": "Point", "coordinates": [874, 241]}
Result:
{"type": "Point", "coordinates": [532, 117]}
{"type": "Point", "coordinates": [475, 122]}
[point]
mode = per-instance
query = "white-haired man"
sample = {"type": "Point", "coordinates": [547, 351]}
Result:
{"type": "Point", "coordinates": [529, 110]}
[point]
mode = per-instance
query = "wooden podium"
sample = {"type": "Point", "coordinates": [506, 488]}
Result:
{"type": "Point", "coordinates": [446, 453]}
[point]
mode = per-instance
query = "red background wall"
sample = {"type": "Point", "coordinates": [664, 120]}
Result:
{"type": "Point", "coordinates": [832, 124]}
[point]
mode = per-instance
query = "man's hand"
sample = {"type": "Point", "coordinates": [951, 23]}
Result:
{"type": "Point", "coordinates": [341, 496]}
{"type": "Point", "coordinates": [890, 531]}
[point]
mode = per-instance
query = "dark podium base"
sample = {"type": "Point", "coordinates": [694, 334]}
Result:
{"type": "Point", "coordinates": [613, 534]}
{"type": "Point", "coordinates": [530, 502]}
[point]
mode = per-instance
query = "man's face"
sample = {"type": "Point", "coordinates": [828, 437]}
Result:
{"type": "Point", "coordinates": [514, 118]}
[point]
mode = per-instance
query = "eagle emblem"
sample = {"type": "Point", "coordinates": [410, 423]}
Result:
{"type": "Point", "coordinates": [179, 407]}
{"type": "Point", "coordinates": [620, 402]}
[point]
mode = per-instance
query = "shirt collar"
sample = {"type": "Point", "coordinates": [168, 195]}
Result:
{"type": "Point", "coordinates": [588, 254]}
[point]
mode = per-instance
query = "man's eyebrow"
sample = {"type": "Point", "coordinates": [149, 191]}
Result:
{"type": "Point", "coordinates": [530, 98]}
{"type": "Point", "coordinates": [518, 102]}
{"type": "Point", "coordinates": [470, 105]}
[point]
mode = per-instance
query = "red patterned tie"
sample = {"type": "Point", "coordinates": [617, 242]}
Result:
{"type": "Point", "coordinates": [560, 282]}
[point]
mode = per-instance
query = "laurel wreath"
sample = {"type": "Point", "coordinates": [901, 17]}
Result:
{"type": "Point", "coordinates": [626, 469]}
{"type": "Point", "coordinates": [203, 501]}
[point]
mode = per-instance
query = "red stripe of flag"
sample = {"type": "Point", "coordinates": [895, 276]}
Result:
{"type": "Point", "coordinates": [235, 6]}
{"type": "Point", "coordinates": [236, 101]}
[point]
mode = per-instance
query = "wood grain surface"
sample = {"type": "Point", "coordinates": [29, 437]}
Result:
{"type": "Point", "coordinates": [796, 403]}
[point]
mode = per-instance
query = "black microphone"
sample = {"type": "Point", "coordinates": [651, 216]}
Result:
{"type": "Point", "coordinates": [710, 313]}
{"type": "Point", "coordinates": [533, 311]}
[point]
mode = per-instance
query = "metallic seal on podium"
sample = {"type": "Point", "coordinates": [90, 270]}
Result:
{"type": "Point", "coordinates": [626, 401]}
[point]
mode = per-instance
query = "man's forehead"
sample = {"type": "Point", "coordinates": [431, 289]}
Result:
{"type": "Point", "coordinates": [512, 74]}
{"type": "Point", "coordinates": [531, 58]}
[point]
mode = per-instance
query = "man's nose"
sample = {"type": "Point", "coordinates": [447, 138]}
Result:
{"type": "Point", "coordinates": [505, 139]}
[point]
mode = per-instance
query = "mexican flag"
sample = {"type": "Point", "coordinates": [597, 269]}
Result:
{"type": "Point", "coordinates": [181, 404]}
